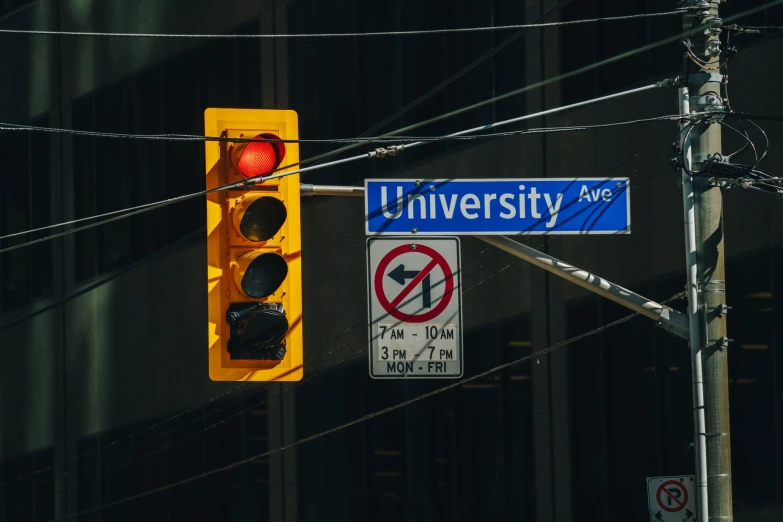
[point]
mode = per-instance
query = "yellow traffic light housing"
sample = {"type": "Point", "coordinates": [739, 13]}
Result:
{"type": "Point", "coordinates": [254, 267]}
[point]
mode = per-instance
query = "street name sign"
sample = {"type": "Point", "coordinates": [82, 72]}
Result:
{"type": "Point", "coordinates": [415, 307]}
{"type": "Point", "coordinates": [671, 499]}
{"type": "Point", "coordinates": [498, 206]}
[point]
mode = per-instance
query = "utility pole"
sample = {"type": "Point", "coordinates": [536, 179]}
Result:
{"type": "Point", "coordinates": [703, 211]}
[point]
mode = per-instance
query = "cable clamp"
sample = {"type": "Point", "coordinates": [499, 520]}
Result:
{"type": "Point", "coordinates": [741, 29]}
{"type": "Point", "coordinates": [720, 182]}
{"type": "Point", "coordinates": [391, 150]}
{"type": "Point", "coordinates": [712, 48]}
{"type": "Point", "coordinates": [722, 309]}
{"type": "Point", "coordinates": [670, 82]}
{"type": "Point", "coordinates": [707, 102]}
{"type": "Point", "coordinates": [710, 115]}
{"type": "Point", "coordinates": [710, 158]}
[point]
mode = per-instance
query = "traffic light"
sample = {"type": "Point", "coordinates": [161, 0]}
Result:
{"type": "Point", "coordinates": [254, 267]}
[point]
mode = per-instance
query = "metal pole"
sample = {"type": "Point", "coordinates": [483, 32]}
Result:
{"type": "Point", "coordinates": [666, 318]}
{"type": "Point", "coordinates": [704, 88]}
{"type": "Point", "coordinates": [692, 267]}
{"type": "Point", "coordinates": [308, 189]}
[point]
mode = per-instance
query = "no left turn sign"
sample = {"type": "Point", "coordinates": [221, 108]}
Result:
{"type": "Point", "coordinates": [415, 307]}
{"type": "Point", "coordinates": [432, 259]}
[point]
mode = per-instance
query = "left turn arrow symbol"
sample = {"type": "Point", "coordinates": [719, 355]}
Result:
{"type": "Point", "coordinates": [399, 274]}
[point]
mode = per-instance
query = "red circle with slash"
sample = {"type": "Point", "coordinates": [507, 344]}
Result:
{"type": "Point", "coordinates": [679, 503]}
{"type": "Point", "coordinates": [435, 260]}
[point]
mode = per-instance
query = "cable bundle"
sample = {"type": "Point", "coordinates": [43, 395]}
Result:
{"type": "Point", "coordinates": [722, 168]}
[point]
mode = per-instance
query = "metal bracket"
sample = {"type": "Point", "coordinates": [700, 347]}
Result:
{"type": "Point", "coordinates": [720, 182]}
{"type": "Point", "coordinates": [740, 29]}
{"type": "Point", "coordinates": [668, 82]}
{"type": "Point", "coordinates": [703, 77]}
{"type": "Point", "coordinates": [671, 320]}
{"type": "Point", "coordinates": [715, 157]}
{"type": "Point", "coordinates": [724, 342]}
{"type": "Point", "coordinates": [707, 102]}
{"type": "Point", "coordinates": [703, 314]}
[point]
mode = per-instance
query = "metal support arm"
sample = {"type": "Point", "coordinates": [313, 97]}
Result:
{"type": "Point", "coordinates": [666, 318]}
{"type": "Point", "coordinates": [308, 189]}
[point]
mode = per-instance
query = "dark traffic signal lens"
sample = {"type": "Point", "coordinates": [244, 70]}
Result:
{"type": "Point", "coordinates": [264, 275]}
{"type": "Point", "coordinates": [257, 331]}
{"type": "Point", "coordinates": [262, 219]}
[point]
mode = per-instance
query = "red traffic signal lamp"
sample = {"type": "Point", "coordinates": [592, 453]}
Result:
{"type": "Point", "coordinates": [253, 247]}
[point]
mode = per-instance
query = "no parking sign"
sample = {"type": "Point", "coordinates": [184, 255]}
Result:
{"type": "Point", "coordinates": [671, 499]}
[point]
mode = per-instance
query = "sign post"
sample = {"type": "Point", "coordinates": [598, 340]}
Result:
{"type": "Point", "coordinates": [415, 307]}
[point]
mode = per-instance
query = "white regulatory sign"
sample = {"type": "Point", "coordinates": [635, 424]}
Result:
{"type": "Point", "coordinates": [415, 307]}
{"type": "Point", "coordinates": [671, 499]}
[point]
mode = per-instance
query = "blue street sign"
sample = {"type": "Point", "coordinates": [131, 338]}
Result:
{"type": "Point", "coordinates": [498, 206]}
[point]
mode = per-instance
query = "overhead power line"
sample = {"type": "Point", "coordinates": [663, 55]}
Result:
{"type": "Point", "coordinates": [362, 325]}
{"type": "Point", "coordinates": [454, 77]}
{"type": "Point", "coordinates": [326, 342]}
{"type": "Point", "coordinates": [374, 154]}
{"type": "Point", "coordinates": [127, 212]}
{"type": "Point", "coordinates": [342, 35]}
{"type": "Point", "coordinates": [230, 391]}
{"type": "Point", "coordinates": [201, 138]}
{"type": "Point", "coordinates": [542, 83]}
{"type": "Point", "coordinates": [362, 419]}
{"type": "Point", "coordinates": [410, 140]}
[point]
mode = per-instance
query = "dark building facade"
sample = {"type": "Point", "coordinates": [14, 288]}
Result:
{"type": "Point", "coordinates": [106, 407]}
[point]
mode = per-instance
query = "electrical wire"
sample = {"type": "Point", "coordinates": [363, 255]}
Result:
{"type": "Point", "coordinates": [522, 90]}
{"type": "Point", "coordinates": [252, 406]}
{"type": "Point", "coordinates": [364, 418]}
{"type": "Point", "coordinates": [201, 138]}
{"type": "Point", "coordinates": [77, 458]}
{"type": "Point", "coordinates": [149, 428]}
{"type": "Point", "coordinates": [362, 325]}
{"type": "Point", "coordinates": [462, 135]}
{"type": "Point", "coordinates": [448, 81]}
{"type": "Point", "coordinates": [372, 139]}
{"type": "Point", "coordinates": [343, 35]}
{"type": "Point", "coordinates": [121, 214]}
{"type": "Point", "coordinates": [530, 87]}
{"type": "Point", "coordinates": [723, 170]}
{"type": "Point", "coordinates": [264, 401]}
{"type": "Point", "coordinates": [575, 72]}
{"type": "Point", "coordinates": [736, 16]}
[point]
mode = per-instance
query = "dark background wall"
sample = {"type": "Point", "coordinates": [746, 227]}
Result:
{"type": "Point", "coordinates": [104, 391]}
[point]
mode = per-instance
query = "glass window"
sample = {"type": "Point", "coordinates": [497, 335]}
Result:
{"type": "Point", "coordinates": [462, 454]}
{"type": "Point", "coordinates": [25, 203]}
{"type": "Point", "coordinates": [584, 44]}
{"type": "Point", "coordinates": [631, 407]}
{"type": "Point", "coordinates": [755, 435]}
{"type": "Point", "coordinates": [27, 489]}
